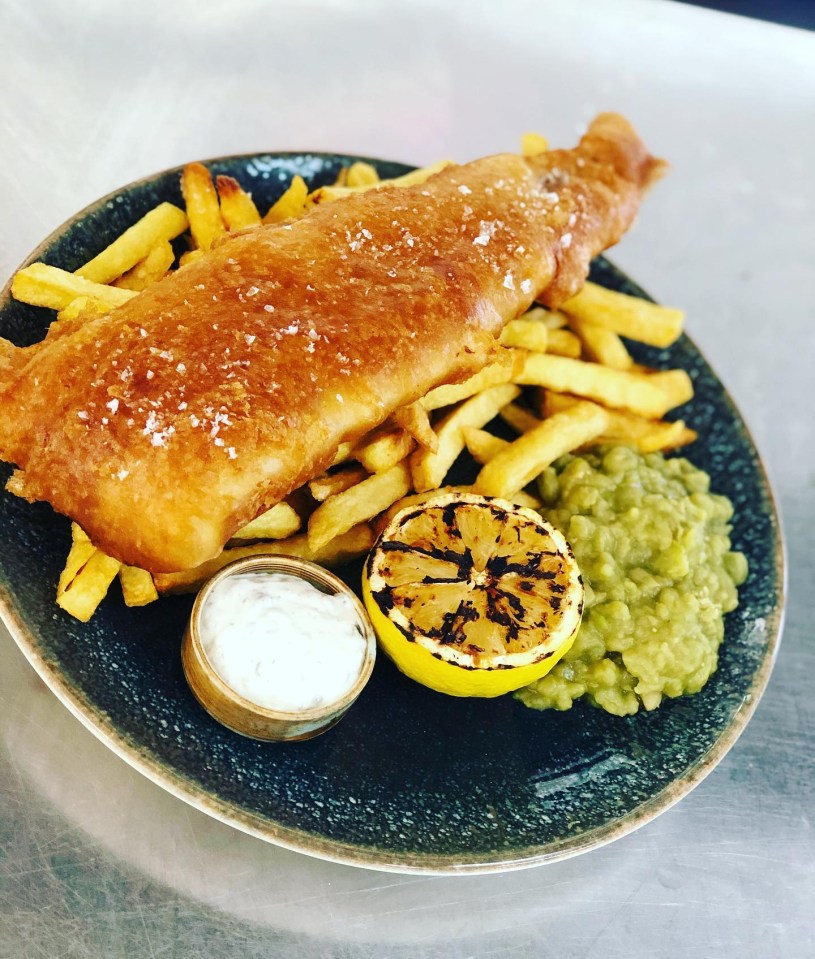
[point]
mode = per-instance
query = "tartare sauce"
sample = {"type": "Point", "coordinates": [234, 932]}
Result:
{"type": "Point", "coordinates": [280, 642]}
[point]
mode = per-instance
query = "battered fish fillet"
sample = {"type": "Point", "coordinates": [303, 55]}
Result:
{"type": "Point", "coordinates": [164, 426]}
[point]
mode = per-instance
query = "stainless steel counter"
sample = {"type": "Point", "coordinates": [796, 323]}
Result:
{"type": "Point", "coordinates": [95, 860]}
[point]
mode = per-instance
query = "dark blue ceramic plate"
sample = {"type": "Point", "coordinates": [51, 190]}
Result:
{"type": "Point", "coordinates": [410, 780]}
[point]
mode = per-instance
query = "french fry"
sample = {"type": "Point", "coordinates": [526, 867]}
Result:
{"type": "Point", "coordinates": [89, 587]}
{"type": "Point", "coordinates": [302, 502]}
{"type": "Point", "coordinates": [529, 455]}
{"type": "Point", "coordinates": [42, 285]}
{"type": "Point", "coordinates": [602, 345]}
{"type": "Point", "coordinates": [532, 144]}
{"type": "Point", "coordinates": [362, 502]}
{"type": "Point", "coordinates": [482, 445]}
{"type": "Point", "coordinates": [416, 176]}
{"type": "Point", "coordinates": [291, 204]}
{"type": "Point", "coordinates": [519, 418]}
{"type": "Point", "coordinates": [622, 390]}
{"type": "Point", "coordinates": [189, 257]}
{"type": "Point", "coordinates": [343, 453]}
{"type": "Point", "coordinates": [627, 315]}
{"type": "Point", "coordinates": [78, 535]}
{"type": "Point", "coordinates": [525, 335]}
{"type": "Point", "coordinates": [203, 210]}
{"type": "Point", "coordinates": [649, 436]}
{"type": "Point", "coordinates": [326, 194]}
{"type": "Point", "coordinates": [678, 438]}
{"type": "Point", "coordinates": [551, 319]}
{"type": "Point", "coordinates": [278, 522]}
{"type": "Point", "coordinates": [146, 272]}
{"type": "Point", "coordinates": [653, 435]}
{"type": "Point", "coordinates": [555, 320]}
{"type": "Point", "coordinates": [138, 588]}
{"type": "Point", "coordinates": [383, 448]}
{"type": "Point", "coordinates": [676, 385]}
{"type": "Point", "coordinates": [82, 308]}
{"type": "Point", "coordinates": [160, 225]}
{"type": "Point", "coordinates": [429, 469]}
{"type": "Point", "coordinates": [361, 174]}
{"type": "Point", "coordinates": [351, 545]}
{"type": "Point", "coordinates": [414, 420]}
{"type": "Point", "coordinates": [564, 343]}
{"type": "Point", "coordinates": [79, 554]}
{"type": "Point", "coordinates": [237, 207]}
{"type": "Point", "coordinates": [329, 485]}
{"type": "Point", "coordinates": [502, 370]}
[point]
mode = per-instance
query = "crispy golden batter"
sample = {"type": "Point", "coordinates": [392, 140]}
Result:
{"type": "Point", "coordinates": [166, 425]}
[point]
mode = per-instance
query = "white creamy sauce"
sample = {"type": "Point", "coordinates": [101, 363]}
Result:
{"type": "Point", "coordinates": [280, 642]}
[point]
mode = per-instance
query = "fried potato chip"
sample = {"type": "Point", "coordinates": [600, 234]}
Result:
{"type": "Point", "coordinates": [42, 285]}
{"type": "Point", "coordinates": [502, 370]}
{"type": "Point", "coordinates": [332, 483]}
{"type": "Point", "coordinates": [648, 436]}
{"type": "Point", "coordinates": [189, 257]}
{"type": "Point", "coordinates": [203, 209]}
{"type": "Point", "coordinates": [78, 535]}
{"type": "Point", "coordinates": [89, 587]}
{"type": "Point", "coordinates": [521, 461]}
{"type": "Point", "coordinates": [525, 335]}
{"type": "Point", "coordinates": [564, 343]}
{"type": "Point", "coordinates": [681, 435]}
{"type": "Point", "coordinates": [519, 418]}
{"type": "Point", "coordinates": [343, 453]}
{"type": "Point", "coordinates": [602, 345]}
{"type": "Point", "coordinates": [350, 545]}
{"type": "Point", "coordinates": [291, 204]}
{"type": "Point", "coordinates": [362, 502]}
{"type": "Point", "coordinates": [238, 210]}
{"type": "Point", "coordinates": [147, 271]}
{"type": "Point", "coordinates": [482, 445]}
{"type": "Point", "coordinates": [160, 225]}
{"type": "Point", "coordinates": [81, 309]}
{"type": "Point", "coordinates": [138, 588]}
{"type": "Point", "coordinates": [429, 469]}
{"type": "Point", "coordinates": [326, 194]}
{"type": "Point", "coordinates": [551, 319]}
{"type": "Point", "coordinates": [383, 448]}
{"type": "Point", "coordinates": [79, 554]}
{"type": "Point", "coordinates": [276, 523]}
{"type": "Point", "coordinates": [627, 315]}
{"type": "Point", "coordinates": [675, 384]}
{"type": "Point", "coordinates": [615, 388]}
{"type": "Point", "coordinates": [302, 502]}
{"type": "Point", "coordinates": [532, 144]}
{"type": "Point", "coordinates": [414, 420]}
{"type": "Point", "coordinates": [361, 174]}
{"type": "Point", "coordinates": [417, 176]}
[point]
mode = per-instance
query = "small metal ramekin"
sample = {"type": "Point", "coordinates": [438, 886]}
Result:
{"type": "Point", "coordinates": [239, 714]}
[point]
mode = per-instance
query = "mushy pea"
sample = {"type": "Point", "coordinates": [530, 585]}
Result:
{"type": "Point", "coordinates": [653, 546]}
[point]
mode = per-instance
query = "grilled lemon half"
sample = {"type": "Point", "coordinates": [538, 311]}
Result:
{"type": "Point", "coordinates": [473, 596]}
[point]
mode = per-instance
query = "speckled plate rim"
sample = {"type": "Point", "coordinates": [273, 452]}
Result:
{"type": "Point", "coordinates": [350, 854]}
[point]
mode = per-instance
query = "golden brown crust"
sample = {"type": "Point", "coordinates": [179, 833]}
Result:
{"type": "Point", "coordinates": [164, 426]}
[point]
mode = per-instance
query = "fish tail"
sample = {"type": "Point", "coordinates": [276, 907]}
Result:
{"type": "Point", "coordinates": [611, 138]}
